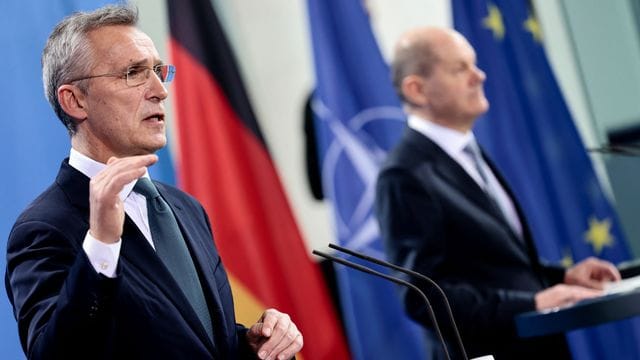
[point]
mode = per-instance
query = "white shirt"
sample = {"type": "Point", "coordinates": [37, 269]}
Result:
{"type": "Point", "coordinates": [103, 256]}
{"type": "Point", "coordinates": [453, 143]}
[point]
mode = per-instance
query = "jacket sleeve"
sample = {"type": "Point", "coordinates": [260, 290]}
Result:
{"type": "Point", "coordinates": [60, 302]}
{"type": "Point", "coordinates": [553, 274]}
{"type": "Point", "coordinates": [245, 351]}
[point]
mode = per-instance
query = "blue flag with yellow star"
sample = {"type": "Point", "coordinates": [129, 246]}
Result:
{"type": "Point", "coordinates": [531, 136]}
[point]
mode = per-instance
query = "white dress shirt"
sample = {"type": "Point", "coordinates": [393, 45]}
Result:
{"type": "Point", "coordinates": [103, 256]}
{"type": "Point", "coordinates": [453, 143]}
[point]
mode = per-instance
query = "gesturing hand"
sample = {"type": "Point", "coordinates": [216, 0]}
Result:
{"type": "Point", "coordinates": [106, 209]}
{"type": "Point", "coordinates": [275, 336]}
{"type": "Point", "coordinates": [592, 273]}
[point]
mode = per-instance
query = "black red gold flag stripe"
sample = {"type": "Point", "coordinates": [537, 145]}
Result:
{"type": "Point", "coordinates": [223, 161]}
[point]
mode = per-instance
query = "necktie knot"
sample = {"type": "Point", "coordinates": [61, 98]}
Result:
{"type": "Point", "coordinates": [473, 150]}
{"type": "Point", "coordinates": [145, 187]}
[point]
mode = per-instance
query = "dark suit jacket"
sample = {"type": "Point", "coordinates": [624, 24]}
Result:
{"type": "Point", "coordinates": [436, 220]}
{"type": "Point", "coordinates": [66, 310]}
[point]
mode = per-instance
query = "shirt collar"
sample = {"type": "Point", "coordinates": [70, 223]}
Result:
{"type": "Point", "coordinates": [91, 168]}
{"type": "Point", "coordinates": [450, 140]}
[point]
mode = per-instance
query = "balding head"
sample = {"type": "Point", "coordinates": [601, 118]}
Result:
{"type": "Point", "coordinates": [416, 53]}
{"type": "Point", "coordinates": [435, 74]}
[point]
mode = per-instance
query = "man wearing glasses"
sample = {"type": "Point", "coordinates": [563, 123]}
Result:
{"type": "Point", "coordinates": [106, 264]}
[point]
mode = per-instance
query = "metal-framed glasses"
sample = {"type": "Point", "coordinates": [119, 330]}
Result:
{"type": "Point", "coordinates": [139, 74]}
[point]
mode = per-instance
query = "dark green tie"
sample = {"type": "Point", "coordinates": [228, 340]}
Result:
{"type": "Point", "coordinates": [172, 249]}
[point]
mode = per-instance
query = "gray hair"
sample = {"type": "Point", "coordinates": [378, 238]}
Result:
{"type": "Point", "coordinates": [418, 57]}
{"type": "Point", "coordinates": [68, 54]}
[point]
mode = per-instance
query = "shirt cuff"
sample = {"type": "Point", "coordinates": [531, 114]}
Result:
{"type": "Point", "coordinates": [103, 256]}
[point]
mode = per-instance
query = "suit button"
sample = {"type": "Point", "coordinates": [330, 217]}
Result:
{"type": "Point", "coordinates": [93, 309]}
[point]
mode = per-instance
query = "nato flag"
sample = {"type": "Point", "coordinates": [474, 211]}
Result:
{"type": "Point", "coordinates": [358, 118]}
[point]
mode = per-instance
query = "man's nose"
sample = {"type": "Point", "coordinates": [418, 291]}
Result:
{"type": "Point", "coordinates": [479, 75]}
{"type": "Point", "coordinates": [156, 88]}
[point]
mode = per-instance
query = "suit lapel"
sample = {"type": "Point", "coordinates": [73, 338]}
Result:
{"type": "Point", "coordinates": [203, 257]}
{"type": "Point", "coordinates": [75, 186]}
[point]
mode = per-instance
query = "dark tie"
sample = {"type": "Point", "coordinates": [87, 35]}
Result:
{"type": "Point", "coordinates": [172, 249]}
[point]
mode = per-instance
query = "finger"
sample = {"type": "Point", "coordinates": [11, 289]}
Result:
{"type": "Point", "coordinates": [117, 181]}
{"type": "Point", "coordinates": [278, 333]}
{"type": "Point", "coordinates": [255, 331]}
{"type": "Point", "coordinates": [289, 337]}
{"type": "Point", "coordinates": [255, 338]}
{"type": "Point", "coordinates": [593, 284]}
{"type": "Point", "coordinates": [268, 350]}
{"type": "Point", "coordinates": [108, 188]}
{"type": "Point", "coordinates": [269, 320]}
{"type": "Point", "coordinates": [612, 272]}
{"type": "Point", "coordinates": [132, 161]}
{"type": "Point", "coordinates": [292, 349]}
{"type": "Point", "coordinates": [124, 170]}
{"type": "Point", "coordinates": [138, 160]}
{"type": "Point", "coordinates": [580, 293]}
{"type": "Point", "coordinates": [604, 270]}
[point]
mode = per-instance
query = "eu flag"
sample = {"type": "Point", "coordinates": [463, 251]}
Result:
{"type": "Point", "coordinates": [358, 118]}
{"type": "Point", "coordinates": [530, 134]}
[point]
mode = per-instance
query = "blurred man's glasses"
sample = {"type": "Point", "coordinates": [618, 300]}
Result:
{"type": "Point", "coordinates": [138, 75]}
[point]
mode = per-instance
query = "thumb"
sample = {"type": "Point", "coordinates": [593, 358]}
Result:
{"type": "Point", "coordinates": [111, 160]}
{"type": "Point", "coordinates": [255, 331]}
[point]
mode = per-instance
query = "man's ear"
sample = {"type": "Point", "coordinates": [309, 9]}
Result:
{"type": "Point", "coordinates": [413, 90]}
{"type": "Point", "coordinates": [72, 101]}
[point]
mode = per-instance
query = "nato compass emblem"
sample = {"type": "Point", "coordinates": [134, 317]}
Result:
{"type": "Point", "coordinates": [353, 151]}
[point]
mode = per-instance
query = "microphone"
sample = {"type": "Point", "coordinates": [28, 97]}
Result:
{"type": "Point", "coordinates": [625, 150]}
{"type": "Point", "coordinates": [367, 270]}
{"type": "Point", "coordinates": [418, 275]}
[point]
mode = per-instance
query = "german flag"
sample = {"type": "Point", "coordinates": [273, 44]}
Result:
{"type": "Point", "coordinates": [223, 160]}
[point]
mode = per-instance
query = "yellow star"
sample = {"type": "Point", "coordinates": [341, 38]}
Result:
{"type": "Point", "coordinates": [493, 22]}
{"type": "Point", "coordinates": [598, 234]}
{"type": "Point", "coordinates": [567, 259]}
{"type": "Point", "coordinates": [532, 26]}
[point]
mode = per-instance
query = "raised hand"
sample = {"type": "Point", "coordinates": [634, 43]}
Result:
{"type": "Point", "coordinates": [106, 208]}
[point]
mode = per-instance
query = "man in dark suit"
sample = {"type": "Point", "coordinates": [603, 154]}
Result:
{"type": "Point", "coordinates": [89, 274]}
{"type": "Point", "coordinates": [445, 211]}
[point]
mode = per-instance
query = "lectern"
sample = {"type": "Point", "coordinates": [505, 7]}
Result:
{"type": "Point", "coordinates": [621, 302]}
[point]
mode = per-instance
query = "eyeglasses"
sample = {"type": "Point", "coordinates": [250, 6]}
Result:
{"type": "Point", "coordinates": [138, 75]}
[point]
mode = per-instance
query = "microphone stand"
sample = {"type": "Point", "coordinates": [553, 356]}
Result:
{"type": "Point", "coordinates": [397, 281]}
{"type": "Point", "coordinates": [417, 275]}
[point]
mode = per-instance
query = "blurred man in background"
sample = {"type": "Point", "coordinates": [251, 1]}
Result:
{"type": "Point", "coordinates": [445, 211]}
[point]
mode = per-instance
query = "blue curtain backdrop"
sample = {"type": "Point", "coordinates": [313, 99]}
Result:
{"type": "Point", "coordinates": [530, 134]}
{"type": "Point", "coordinates": [358, 118]}
{"type": "Point", "coordinates": [34, 142]}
